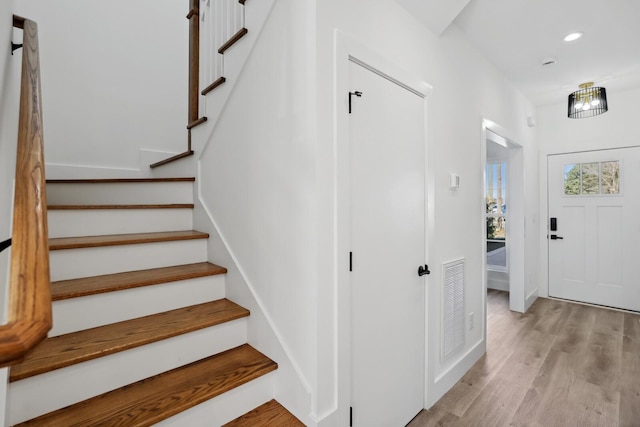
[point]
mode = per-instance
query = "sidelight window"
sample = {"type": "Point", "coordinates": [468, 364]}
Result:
{"type": "Point", "coordinates": [496, 215]}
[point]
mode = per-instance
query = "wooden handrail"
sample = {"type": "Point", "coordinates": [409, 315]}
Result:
{"type": "Point", "coordinates": [29, 317]}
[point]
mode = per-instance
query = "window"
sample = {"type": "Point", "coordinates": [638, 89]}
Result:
{"type": "Point", "coordinates": [496, 215]}
{"type": "Point", "coordinates": [592, 178]}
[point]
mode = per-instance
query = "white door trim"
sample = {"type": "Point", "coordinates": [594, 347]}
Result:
{"type": "Point", "coordinates": [348, 49]}
{"type": "Point", "coordinates": [516, 244]}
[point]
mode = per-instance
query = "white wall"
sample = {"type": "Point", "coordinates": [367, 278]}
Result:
{"type": "Point", "coordinates": [9, 103]}
{"type": "Point", "coordinates": [558, 134]}
{"type": "Point", "coordinates": [466, 89]}
{"type": "Point", "coordinates": [267, 177]}
{"type": "Point", "coordinates": [258, 185]}
{"type": "Point", "coordinates": [114, 79]}
{"type": "Point", "coordinates": [268, 170]}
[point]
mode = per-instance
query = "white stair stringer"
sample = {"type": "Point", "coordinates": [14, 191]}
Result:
{"type": "Point", "coordinates": [290, 386]}
{"type": "Point", "coordinates": [34, 396]}
{"type": "Point", "coordinates": [87, 262]}
{"type": "Point", "coordinates": [75, 314]}
{"type": "Point", "coordinates": [119, 193]}
{"type": "Point", "coordinates": [97, 222]}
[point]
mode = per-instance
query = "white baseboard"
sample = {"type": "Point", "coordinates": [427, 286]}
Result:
{"type": "Point", "coordinates": [65, 171]}
{"type": "Point", "coordinates": [182, 167]}
{"type": "Point", "coordinates": [447, 379]}
{"type": "Point", "coordinates": [530, 299]}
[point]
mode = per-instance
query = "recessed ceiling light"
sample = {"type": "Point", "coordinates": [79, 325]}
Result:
{"type": "Point", "coordinates": [573, 37]}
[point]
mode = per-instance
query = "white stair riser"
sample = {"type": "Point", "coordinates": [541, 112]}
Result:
{"type": "Point", "coordinates": [70, 223]}
{"type": "Point", "coordinates": [43, 393]}
{"type": "Point", "coordinates": [87, 312]}
{"type": "Point", "coordinates": [120, 193]}
{"type": "Point", "coordinates": [226, 407]}
{"type": "Point", "coordinates": [87, 262]}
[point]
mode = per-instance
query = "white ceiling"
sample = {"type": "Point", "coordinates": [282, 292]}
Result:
{"type": "Point", "coordinates": [517, 35]}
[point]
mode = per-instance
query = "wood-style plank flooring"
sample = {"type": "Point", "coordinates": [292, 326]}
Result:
{"type": "Point", "coordinates": [560, 364]}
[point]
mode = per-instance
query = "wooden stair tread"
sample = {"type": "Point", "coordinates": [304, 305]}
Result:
{"type": "Point", "coordinates": [69, 349]}
{"type": "Point", "coordinates": [123, 239]}
{"type": "Point", "coordinates": [219, 81]}
{"type": "Point", "coordinates": [233, 40]}
{"type": "Point", "coordinates": [89, 207]}
{"type": "Point", "coordinates": [73, 288]}
{"type": "Point", "coordinates": [197, 122]}
{"type": "Point", "coordinates": [179, 156]}
{"type": "Point", "coordinates": [118, 180]}
{"type": "Point", "coordinates": [269, 414]}
{"type": "Point", "coordinates": [154, 399]}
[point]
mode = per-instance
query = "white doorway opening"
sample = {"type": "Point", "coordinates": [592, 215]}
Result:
{"type": "Point", "coordinates": [503, 247]}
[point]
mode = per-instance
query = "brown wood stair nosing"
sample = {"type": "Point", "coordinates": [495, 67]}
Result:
{"type": "Point", "coordinates": [76, 347]}
{"type": "Point", "coordinates": [60, 243]}
{"type": "Point", "coordinates": [197, 122]}
{"type": "Point", "coordinates": [220, 80]}
{"type": "Point", "coordinates": [74, 288]}
{"type": "Point", "coordinates": [118, 180]}
{"type": "Point", "coordinates": [114, 207]}
{"type": "Point", "coordinates": [187, 153]}
{"type": "Point", "coordinates": [154, 399]}
{"type": "Point", "coordinates": [233, 40]}
{"type": "Point", "coordinates": [271, 413]}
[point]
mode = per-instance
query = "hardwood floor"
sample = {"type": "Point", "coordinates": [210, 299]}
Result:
{"type": "Point", "coordinates": [560, 364]}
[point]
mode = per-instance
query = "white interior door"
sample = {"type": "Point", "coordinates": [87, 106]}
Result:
{"type": "Point", "coordinates": [387, 188]}
{"type": "Point", "coordinates": [595, 247]}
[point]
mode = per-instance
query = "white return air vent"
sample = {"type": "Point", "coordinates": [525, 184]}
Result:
{"type": "Point", "coordinates": [452, 332]}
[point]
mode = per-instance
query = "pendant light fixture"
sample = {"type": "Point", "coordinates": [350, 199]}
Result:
{"type": "Point", "coordinates": [588, 101]}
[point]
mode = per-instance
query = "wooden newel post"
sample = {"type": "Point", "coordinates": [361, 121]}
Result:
{"type": "Point", "coordinates": [194, 59]}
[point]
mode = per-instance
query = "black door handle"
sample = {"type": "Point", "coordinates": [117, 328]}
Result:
{"type": "Point", "coordinates": [554, 237]}
{"type": "Point", "coordinates": [422, 270]}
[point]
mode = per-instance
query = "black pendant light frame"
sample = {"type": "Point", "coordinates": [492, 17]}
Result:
{"type": "Point", "coordinates": [587, 94]}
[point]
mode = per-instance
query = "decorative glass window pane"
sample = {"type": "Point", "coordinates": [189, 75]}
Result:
{"type": "Point", "coordinates": [496, 209]}
{"type": "Point", "coordinates": [610, 177]}
{"type": "Point", "coordinates": [590, 178]}
{"type": "Point", "coordinates": [496, 228]}
{"type": "Point", "coordinates": [572, 179]}
{"type": "Point", "coordinates": [496, 188]}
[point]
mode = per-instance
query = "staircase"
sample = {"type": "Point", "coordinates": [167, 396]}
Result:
{"type": "Point", "coordinates": [143, 334]}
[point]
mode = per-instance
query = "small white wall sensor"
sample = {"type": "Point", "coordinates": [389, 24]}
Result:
{"type": "Point", "coordinates": [454, 181]}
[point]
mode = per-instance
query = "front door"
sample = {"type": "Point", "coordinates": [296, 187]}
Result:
{"type": "Point", "coordinates": [387, 190]}
{"type": "Point", "coordinates": [594, 227]}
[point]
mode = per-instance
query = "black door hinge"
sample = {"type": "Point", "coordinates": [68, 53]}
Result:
{"type": "Point", "coordinates": [350, 261]}
{"type": "Point", "coordinates": [15, 46]}
{"type": "Point", "coordinates": [356, 93]}
{"type": "Point", "coordinates": [350, 416]}
{"type": "Point", "coordinates": [4, 245]}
